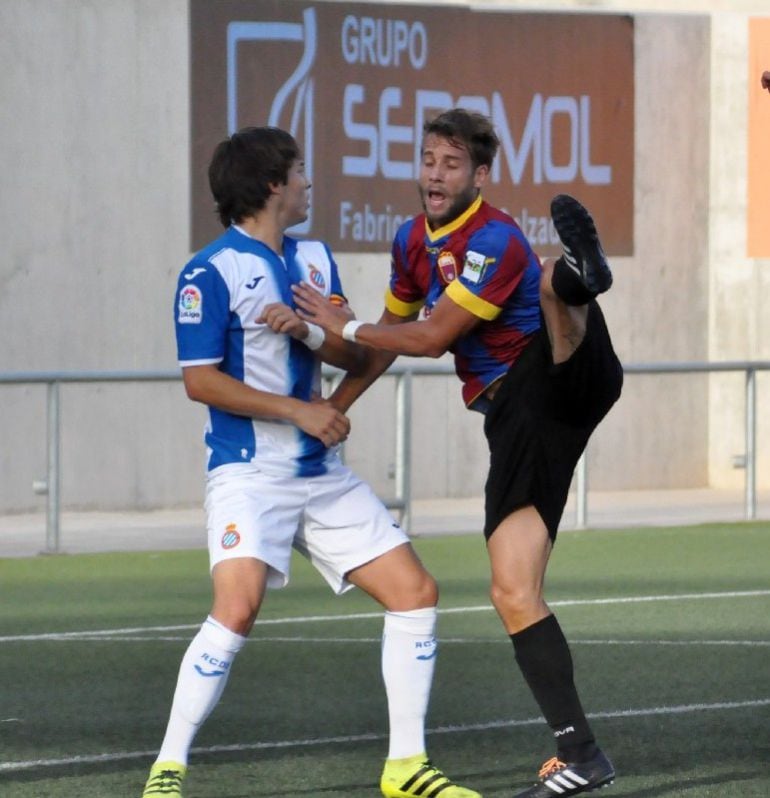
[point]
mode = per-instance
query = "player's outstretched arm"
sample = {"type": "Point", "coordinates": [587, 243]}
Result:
{"type": "Point", "coordinates": [428, 338]}
{"type": "Point", "coordinates": [212, 387]}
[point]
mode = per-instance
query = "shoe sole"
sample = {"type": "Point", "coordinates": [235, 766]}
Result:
{"type": "Point", "coordinates": [577, 232]}
{"type": "Point", "coordinates": [606, 783]}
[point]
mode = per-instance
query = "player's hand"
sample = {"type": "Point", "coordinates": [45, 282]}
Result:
{"type": "Point", "coordinates": [322, 421]}
{"type": "Point", "coordinates": [281, 318]}
{"type": "Point", "coordinates": [313, 307]}
{"type": "Point", "coordinates": [766, 80]}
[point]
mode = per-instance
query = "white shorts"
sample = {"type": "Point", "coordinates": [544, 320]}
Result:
{"type": "Point", "coordinates": [335, 520]}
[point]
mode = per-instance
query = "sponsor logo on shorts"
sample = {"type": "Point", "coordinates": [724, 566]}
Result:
{"type": "Point", "coordinates": [231, 538]}
{"type": "Point", "coordinates": [190, 305]}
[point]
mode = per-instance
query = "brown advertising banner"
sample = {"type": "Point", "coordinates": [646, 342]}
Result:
{"type": "Point", "coordinates": [354, 83]}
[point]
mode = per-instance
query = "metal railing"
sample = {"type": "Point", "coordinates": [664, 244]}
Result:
{"type": "Point", "coordinates": [403, 374]}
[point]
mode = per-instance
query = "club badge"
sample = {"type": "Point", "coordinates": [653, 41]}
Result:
{"type": "Point", "coordinates": [447, 266]}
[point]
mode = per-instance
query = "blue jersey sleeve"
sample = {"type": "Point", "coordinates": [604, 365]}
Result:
{"type": "Point", "coordinates": [202, 314]}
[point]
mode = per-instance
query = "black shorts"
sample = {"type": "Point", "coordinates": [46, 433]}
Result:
{"type": "Point", "coordinates": [540, 420]}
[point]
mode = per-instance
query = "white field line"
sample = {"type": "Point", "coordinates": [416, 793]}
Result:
{"type": "Point", "coordinates": [97, 633]}
{"type": "Point", "coordinates": [500, 640]}
{"type": "Point", "coordinates": [123, 756]}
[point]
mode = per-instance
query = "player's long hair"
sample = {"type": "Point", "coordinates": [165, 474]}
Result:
{"type": "Point", "coordinates": [467, 129]}
{"type": "Point", "coordinates": [245, 165]}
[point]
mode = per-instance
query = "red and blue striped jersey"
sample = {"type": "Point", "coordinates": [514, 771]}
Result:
{"type": "Point", "coordinates": [485, 264]}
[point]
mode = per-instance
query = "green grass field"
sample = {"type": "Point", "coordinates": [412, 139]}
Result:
{"type": "Point", "coordinates": [670, 632]}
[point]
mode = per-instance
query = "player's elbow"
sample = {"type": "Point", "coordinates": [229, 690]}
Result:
{"type": "Point", "coordinates": [193, 392]}
{"type": "Point", "coordinates": [348, 357]}
{"type": "Point", "coordinates": [435, 350]}
{"type": "Point", "coordinates": [196, 384]}
{"type": "Point", "coordinates": [357, 361]}
{"type": "Point", "coordinates": [433, 346]}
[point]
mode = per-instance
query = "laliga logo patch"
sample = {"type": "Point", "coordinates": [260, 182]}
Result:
{"type": "Point", "coordinates": [190, 305]}
{"type": "Point", "coordinates": [316, 278]}
{"type": "Point", "coordinates": [231, 538]}
{"type": "Point", "coordinates": [447, 266]}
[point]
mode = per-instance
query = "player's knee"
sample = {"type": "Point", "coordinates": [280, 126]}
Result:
{"type": "Point", "coordinates": [238, 615]}
{"type": "Point", "coordinates": [425, 592]}
{"type": "Point", "coordinates": [513, 602]}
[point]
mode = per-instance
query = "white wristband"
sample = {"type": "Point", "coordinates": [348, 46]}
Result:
{"type": "Point", "coordinates": [315, 336]}
{"type": "Point", "coordinates": [349, 330]}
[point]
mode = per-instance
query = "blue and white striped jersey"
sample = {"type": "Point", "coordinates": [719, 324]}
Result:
{"type": "Point", "coordinates": [221, 293]}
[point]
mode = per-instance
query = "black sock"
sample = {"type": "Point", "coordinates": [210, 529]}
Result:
{"type": "Point", "coordinates": [568, 286]}
{"type": "Point", "coordinates": [544, 657]}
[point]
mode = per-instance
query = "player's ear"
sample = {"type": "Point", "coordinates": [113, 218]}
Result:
{"type": "Point", "coordinates": [480, 175]}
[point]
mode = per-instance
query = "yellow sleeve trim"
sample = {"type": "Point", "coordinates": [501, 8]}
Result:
{"type": "Point", "coordinates": [401, 308]}
{"type": "Point", "coordinates": [461, 296]}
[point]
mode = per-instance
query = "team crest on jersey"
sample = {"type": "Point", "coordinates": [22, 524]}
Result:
{"type": "Point", "coordinates": [316, 278]}
{"type": "Point", "coordinates": [231, 538]}
{"type": "Point", "coordinates": [473, 266]}
{"type": "Point", "coordinates": [190, 305]}
{"type": "Point", "coordinates": [447, 266]}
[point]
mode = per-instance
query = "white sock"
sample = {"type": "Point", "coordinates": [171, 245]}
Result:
{"type": "Point", "coordinates": [203, 674]}
{"type": "Point", "coordinates": [408, 660]}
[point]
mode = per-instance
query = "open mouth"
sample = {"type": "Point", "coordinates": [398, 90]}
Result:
{"type": "Point", "coordinates": [434, 200]}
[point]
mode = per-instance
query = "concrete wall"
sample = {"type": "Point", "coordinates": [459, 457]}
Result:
{"type": "Point", "coordinates": [739, 287]}
{"type": "Point", "coordinates": [94, 222]}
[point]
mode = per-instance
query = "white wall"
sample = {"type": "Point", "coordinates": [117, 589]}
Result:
{"type": "Point", "coordinates": [94, 215]}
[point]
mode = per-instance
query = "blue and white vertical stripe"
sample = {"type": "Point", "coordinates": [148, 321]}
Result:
{"type": "Point", "coordinates": [221, 294]}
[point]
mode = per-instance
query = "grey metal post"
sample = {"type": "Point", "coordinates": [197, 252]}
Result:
{"type": "Point", "coordinates": [52, 529]}
{"type": "Point", "coordinates": [751, 443]}
{"type": "Point", "coordinates": [404, 446]}
{"type": "Point", "coordinates": [581, 493]}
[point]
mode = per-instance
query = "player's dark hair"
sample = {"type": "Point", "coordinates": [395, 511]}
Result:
{"type": "Point", "coordinates": [243, 167]}
{"type": "Point", "coordinates": [467, 129]}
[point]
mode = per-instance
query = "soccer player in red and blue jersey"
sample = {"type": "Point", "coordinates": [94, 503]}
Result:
{"type": "Point", "coordinates": [533, 353]}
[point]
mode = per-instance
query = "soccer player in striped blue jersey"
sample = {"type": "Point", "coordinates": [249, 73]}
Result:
{"type": "Point", "coordinates": [275, 479]}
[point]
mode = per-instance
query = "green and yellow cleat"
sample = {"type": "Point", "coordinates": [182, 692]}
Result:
{"type": "Point", "coordinates": [416, 776]}
{"type": "Point", "coordinates": [165, 780]}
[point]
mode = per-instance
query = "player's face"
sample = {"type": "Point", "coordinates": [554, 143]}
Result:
{"type": "Point", "coordinates": [448, 183]}
{"type": "Point", "coordinates": [296, 194]}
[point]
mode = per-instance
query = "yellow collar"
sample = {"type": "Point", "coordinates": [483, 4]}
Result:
{"type": "Point", "coordinates": [455, 224]}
